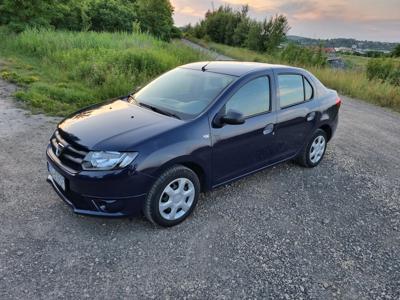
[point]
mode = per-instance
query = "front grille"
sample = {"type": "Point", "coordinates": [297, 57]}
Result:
{"type": "Point", "coordinates": [69, 154]}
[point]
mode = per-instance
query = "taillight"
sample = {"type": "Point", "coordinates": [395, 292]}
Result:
{"type": "Point", "coordinates": [338, 102]}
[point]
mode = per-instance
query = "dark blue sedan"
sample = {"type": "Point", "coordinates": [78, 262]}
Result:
{"type": "Point", "coordinates": [192, 129]}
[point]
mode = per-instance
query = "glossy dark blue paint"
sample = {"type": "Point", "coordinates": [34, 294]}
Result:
{"type": "Point", "coordinates": [217, 154]}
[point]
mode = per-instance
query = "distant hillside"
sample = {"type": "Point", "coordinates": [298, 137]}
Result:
{"type": "Point", "coordinates": [342, 42]}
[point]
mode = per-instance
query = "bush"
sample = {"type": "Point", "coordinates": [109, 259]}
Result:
{"type": "Point", "coordinates": [302, 56]}
{"type": "Point", "coordinates": [386, 70]}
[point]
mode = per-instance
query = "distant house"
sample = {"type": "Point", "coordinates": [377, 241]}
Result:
{"type": "Point", "coordinates": [329, 50]}
{"type": "Point", "coordinates": [344, 50]}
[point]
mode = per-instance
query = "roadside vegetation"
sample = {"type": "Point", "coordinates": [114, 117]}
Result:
{"type": "Point", "coordinates": [235, 28]}
{"type": "Point", "coordinates": [350, 82]}
{"type": "Point", "coordinates": [63, 71]}
{"type": "Point", "coordinates": [384, 69]}
{"type": "Point", "coordinates": [72, 53]}
{"type": "Point", "coordinates": [355, 61]}
{"type": "Point", "coordinates": [150, 16]}
{"type": "Point", "coordinates": [376, 80]}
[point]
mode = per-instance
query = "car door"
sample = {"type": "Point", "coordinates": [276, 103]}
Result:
{"type": "Point", "coordinates": [240, 149]}
{"type": "Point", "coordinates": [296, 112]}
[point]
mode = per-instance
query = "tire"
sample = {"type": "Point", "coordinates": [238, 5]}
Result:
{"type": "Point", "coordinates": [172, 197]}
{"type": "Point", "coordinates": [317, 143]}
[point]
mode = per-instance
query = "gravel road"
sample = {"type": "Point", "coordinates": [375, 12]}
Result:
{"type": "Point", "coordinates": [211, 53]}
{"type": "Point", "coordinates": [332, 232]}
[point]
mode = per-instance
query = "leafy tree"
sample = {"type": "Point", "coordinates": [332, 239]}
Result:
{"type": "Point", "coordinates": [111, 15]}
{"type": "Point", "coordinates": [274, 32]}
{"type": "Point", "coordinates": [254, 38]}
{"type": "Point", "coordinates": [70, 15]}
{"type": "Point", "coordinates": [199, 31]}
{"type": "Point", "coordinates": [19, 14]}
{"type": "Point", "coordinates": [241, 32]}
{"type": "Point", "coordinates": [155, 17]}
{"type": "Point", "coordinates": [235, 28]}
{"type": "Point", "coordinates": [396, 51]}
{"type": "Point", "coordinates": [176, 33]}
{"type": "Point", "coordinates": [215, 24]}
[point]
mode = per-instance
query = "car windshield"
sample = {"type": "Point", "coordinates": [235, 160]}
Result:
{"type": "Point", "coordinates": [182, 93]}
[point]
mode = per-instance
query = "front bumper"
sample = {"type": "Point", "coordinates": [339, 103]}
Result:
{"type": "Point", "coordinates": [116, 193]}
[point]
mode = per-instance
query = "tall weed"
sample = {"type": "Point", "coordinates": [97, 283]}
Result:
{"type": "Point", "coordinates": [69, 70]}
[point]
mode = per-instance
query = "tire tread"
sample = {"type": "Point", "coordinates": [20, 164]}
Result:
{"type": "Point", "coordinates": [169, 173]}
{"type": "Point", "coordinates": [302, 158]}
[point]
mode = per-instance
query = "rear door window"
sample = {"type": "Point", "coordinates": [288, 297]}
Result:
{"type": "Point", "coordinates": [294, 89]}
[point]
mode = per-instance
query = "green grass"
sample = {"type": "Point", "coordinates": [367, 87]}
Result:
{"type": "Point", "coordinates": [353, 82]}
{"type": "Point", "coordinates": [61, 72]}
{"type": "Point", "coordinates": [355, 62]}
{"type": "Point", "coordinates": [358, 63]}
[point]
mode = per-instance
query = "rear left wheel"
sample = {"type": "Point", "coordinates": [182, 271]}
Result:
{"type": "Point", "coordinates": [314, 151]}
{"type": "Point", "coordinates": [173, 197]}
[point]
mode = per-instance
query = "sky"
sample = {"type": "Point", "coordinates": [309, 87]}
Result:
{"type": "Point", "coordinates": [377, 20]}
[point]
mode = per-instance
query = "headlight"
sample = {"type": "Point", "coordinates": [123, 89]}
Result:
{"type": "Point", "coordinates": [107, 160]}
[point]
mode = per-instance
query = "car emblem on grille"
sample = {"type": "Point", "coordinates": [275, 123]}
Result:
{"type": "Point", "coordinates": [59, 149]}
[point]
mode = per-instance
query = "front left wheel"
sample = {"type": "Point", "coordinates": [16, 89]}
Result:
{"type": "Point", "coordinates": [173, 197]}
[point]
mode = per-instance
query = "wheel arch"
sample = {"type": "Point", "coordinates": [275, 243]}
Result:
{"type": "Point", "coordinates": [196, 166]}
{"type": "Point", "coordinates": [328, 130]}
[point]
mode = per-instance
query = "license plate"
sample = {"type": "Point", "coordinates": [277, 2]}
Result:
{"type": "Point", "coordinates": [57, 177]}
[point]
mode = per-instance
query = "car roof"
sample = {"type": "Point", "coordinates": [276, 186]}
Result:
{"type": "Point", "coordinates": [235, 68]}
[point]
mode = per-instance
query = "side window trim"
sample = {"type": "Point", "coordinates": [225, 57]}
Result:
{"type": "Point", "coordinates": [268, 76]}
{"type": "Point", "coordinates": [312, 89]}
{"type": "Point", "coordinates": [304, 90]}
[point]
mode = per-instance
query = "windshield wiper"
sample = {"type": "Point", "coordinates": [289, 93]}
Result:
{"type": "Point", "coordinates": [158, 110]}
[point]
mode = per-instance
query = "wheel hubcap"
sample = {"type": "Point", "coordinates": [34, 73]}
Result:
{"type": "Point", "coordinates": [176, 199]}
{"type": "Point", "coordinates": [317, 149]}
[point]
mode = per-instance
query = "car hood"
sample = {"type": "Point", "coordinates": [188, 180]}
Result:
{"type": "Point", "coordinates": [114, 126]}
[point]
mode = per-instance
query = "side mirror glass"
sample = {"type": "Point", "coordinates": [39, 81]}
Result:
{"type": "Point", "coordinates": [232, 117]}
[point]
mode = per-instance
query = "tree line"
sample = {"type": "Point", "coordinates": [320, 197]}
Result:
{"type": "Point", "coordinates": [235, 28]}
{"type": "Point", "coordinates": [152, 16]}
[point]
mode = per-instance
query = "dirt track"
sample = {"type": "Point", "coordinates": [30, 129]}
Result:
{"type": "Point", "coordinates": [287, 232]}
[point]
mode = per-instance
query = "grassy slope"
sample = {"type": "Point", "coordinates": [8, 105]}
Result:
{"type": "Point", "coordinates": [353, 83]}
{"type": "Point", "coordinates": [355, 62]}
{"type": "Point", "coordinates": [359, 62]}
{"type": "Point", "coordinates": [63, 71]}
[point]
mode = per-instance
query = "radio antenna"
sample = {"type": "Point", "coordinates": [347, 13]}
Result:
{"type": "Point", "coordinates": [203, 68]}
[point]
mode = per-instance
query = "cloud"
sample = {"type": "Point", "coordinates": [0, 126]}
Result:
{"type": "Point", "coordinates": [190, 11]}
{"type": "Point", "coordinates": [257, 5]}
{"type": "Point", "coordinates": [322, 18]}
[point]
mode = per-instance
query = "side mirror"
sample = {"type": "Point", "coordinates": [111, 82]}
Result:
{"type": "Point", "coordinates": [232, 117]}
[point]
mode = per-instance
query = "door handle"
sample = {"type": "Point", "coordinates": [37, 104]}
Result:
{"type": "Point", "coordinates": [311, 116]}
{"type": "Point", "coordinates": [268, 129]}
